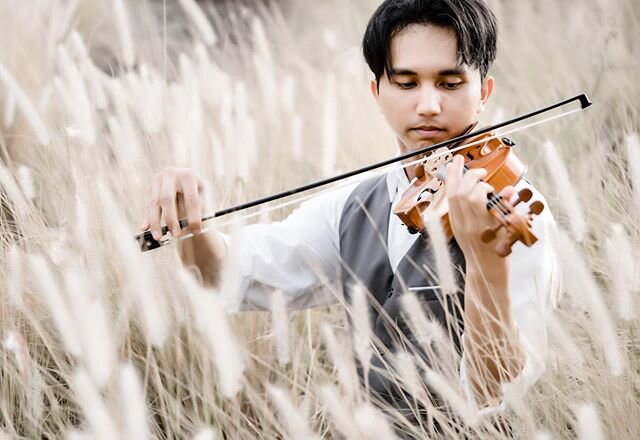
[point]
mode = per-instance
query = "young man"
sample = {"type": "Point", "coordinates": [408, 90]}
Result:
{"type": "Point", "coordinates": [430, 59]}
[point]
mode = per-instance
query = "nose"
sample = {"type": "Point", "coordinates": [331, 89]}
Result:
{"type": "Point", "coordinates": [429, 101]}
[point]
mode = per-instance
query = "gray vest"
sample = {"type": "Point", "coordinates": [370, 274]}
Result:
{"type": "Point", "coordinates": [363, 240]}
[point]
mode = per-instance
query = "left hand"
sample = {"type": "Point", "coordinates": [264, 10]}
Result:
{"type": "Point", "coordinates": [468, 214]}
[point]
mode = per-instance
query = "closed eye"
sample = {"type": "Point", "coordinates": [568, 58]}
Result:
{"type": "Point", "coordinates": [451, 85]}
{"type": "Point", "coordinates": [406, 85]}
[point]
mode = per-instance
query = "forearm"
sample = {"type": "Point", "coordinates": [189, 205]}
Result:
{"type": "Point", "coordinates": [204, 253]}
{"type": "Point", "coordinates": [492, 349]}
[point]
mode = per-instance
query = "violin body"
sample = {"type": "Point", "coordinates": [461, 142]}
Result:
{"type": "Point", "coordinates": [423, 197]}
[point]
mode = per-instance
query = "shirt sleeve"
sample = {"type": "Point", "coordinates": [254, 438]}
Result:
{"type": "Point", "coordinates": [298, 256]}
{"type": "Point", "coordinates": [533, 287]}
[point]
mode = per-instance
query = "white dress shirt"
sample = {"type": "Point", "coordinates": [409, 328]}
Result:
{"type": "Point", "coordinates": [301, 254]}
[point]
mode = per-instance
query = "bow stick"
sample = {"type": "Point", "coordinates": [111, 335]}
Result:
{"type": "Point", "coordinates": [147, 242]}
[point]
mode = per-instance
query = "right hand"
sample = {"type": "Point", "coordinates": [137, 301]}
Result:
{"type": "Point", "coordinates": [175, 193]}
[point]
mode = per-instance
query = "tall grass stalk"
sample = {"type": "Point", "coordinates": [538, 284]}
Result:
{"type": "Point", "coordinates": [621, 266]}
{"type": "Point", "coordinates": [26, 107]}
{"type": "Point", "coordinates": [101, 422]}
{"type": "Point", "coordinates": [280, 323]}
{"type": "Point", "coordinates": [295, 422]}
{"type": "Point", "coordinates": [49, 289]}
{"type": "Point", "coordinates": [124, 32]}
{"type": "Point", "coordinates": [200, 21]}
{"type": "Point", "coordinates": [582, 287]}
{"type": "Point", "coordinates": [134, 406]}
{"type": "Point", "coordinates": [588, 422]}
{"type": "Point", "coordinates": [566, 192]}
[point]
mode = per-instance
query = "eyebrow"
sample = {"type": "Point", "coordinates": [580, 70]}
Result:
{"type": "Point", "coordinates": [444, 72]}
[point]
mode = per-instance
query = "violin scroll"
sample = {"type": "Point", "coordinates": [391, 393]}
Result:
{"type": "Point", "coordinates": [517, 225]}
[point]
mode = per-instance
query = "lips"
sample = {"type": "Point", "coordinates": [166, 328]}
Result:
{"type": "Point", "coordinates": [428, 131]}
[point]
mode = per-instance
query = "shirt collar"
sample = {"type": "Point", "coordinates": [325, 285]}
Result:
{"type": "Point", "coordinates": [397, 182]}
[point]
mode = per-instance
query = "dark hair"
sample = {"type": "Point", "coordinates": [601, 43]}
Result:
{"type": "Point", "coordinates": [471, 20]}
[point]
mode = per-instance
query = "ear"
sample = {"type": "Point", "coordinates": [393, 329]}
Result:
{"type": "Point", "coordinates": [485, 92]}
{"type": "Point", "coordinates": [375, 92]}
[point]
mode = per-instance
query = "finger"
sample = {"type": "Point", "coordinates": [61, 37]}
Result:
{"type": "Point", "coordinates": [168, 195]}
{"type": "Point", "coordinates": [470, 179]}
{"type": "Point", "coordinates": [454, 173]}
{"type": "Point", "coordinates": [152, 221]}
{"type": "Point", "coordinates": [191, 196]}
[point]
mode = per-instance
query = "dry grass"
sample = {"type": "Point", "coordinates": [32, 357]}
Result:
{"type": "Point", "coordinates": [266, 99]}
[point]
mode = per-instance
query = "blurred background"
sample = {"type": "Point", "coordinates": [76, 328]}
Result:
{"type": "Point", "coordinates": [97, 96]}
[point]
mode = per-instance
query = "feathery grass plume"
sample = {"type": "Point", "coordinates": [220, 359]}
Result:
{"type": "Point", "coordinates": [219, 166]}
{"type": "Point", "coordinates": [138, 279]}
{"type": "Point", "coordinates": [212, 82]}
{"type": "Point", "coordinates": [9, 111]}
{"type": "Point", "coordinates": [100, 421]}
{"type": "Point", "coordinates": [190, 124]}
{"type": "Point", "coordinates": [24, 104]}
{"type": "Point", "coordinates": [80, 109]}
{"type": "Point", "coordinates": [200, 20]}
{"type": "Point", "coordinates": [74, 434]}
{"type": "Point", "coordinates": [206, 434]}
{"type": "Point", "coordinates": [361, 325]}
{"type": "Point", "coordinates": [212, 321]}
{"type": "Point", "coordinates": [372, 423]}
{"type": "Point", "coordinates": [62, 317]}
{"type": "Point", "coordinates": [567, 194]}
{"type": "Point", "coordinates": [465, 409]}
{"type": "Point", "coordinates": [134, 407]}
{"type": "Point", "coordinates": [32, 381]}
{"type": "Point", "coordinates": [588, 422]}
{"type": "Point", "coordinates": [280, 325]}
{"type": "Point", "coordinates": [124, 33]}
{"type": "Point", "coordinates": [621, 261]}
{"type": "Point", "coordinates": [60, 19]}
{"type": "Point", "coordinates": [89, 71]}
{"type": "Point", "coordinates": [342, 360]}
{"type": "Point", "coordinates": [81, 221]}
{"type": "Point", "coordinates": [98, 347]}
{"type": "Point", "coordinates": [632, 146]}
{"type": "Point", "coordinates": [543, 435]}
{"type": "Point", "coordinates": [567, 346]}
{"type": "Point", "coordinates": [288, 93]}
{"type": "Point", "coordinates": [294, 422]}
{"type": "Point", "coordinates": [404, 364]}
{"type": "Point", "coordinates": [430, 335]}
{"type": "Point", "coordinates": [147, 101]}
{"type": "Point", "coordinates": [439, 243]}
{"type": "Point", "coordinates": [131, 149]}
{"type": "Point", "coordinates": [230, 276]}
{"type": "Point", "coordinates": [14, 342]}
{"type": "Point", "coordinates": [25, 180]}
{"type": "Point", "coordinates": [329, 125]}
{"type": "Point", "coordinates": [582, 287]}
{"type": "Point", "coordinates": [340, 413]}
{"type": "Point", "coordinates": [265, 69]}
{"type": "Point", "coordinates": [297, 130]}
{"type": "Point", "coordinates": [15, 276]}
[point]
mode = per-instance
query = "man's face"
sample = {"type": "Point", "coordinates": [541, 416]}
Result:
{"type": "Point", "coordinates": [429, 98]}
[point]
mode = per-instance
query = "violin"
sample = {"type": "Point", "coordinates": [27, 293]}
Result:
{"type": "Point", "coordinates": [424, 197]}
{"type": "Point", "coordinates": [495, 155]}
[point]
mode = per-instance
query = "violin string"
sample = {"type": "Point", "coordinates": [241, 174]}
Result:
{"type": "Point", "coordinates": [383, 170]}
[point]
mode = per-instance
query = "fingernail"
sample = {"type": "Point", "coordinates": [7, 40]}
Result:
{"type": "Point", "coordinates": [156, 235]}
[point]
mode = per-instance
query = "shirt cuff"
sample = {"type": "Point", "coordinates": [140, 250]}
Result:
{"type": "Point", "coordinates": [532, 370]}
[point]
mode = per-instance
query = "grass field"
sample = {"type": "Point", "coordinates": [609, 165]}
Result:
{"type": "Point", "coordinates": [98, 340]}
